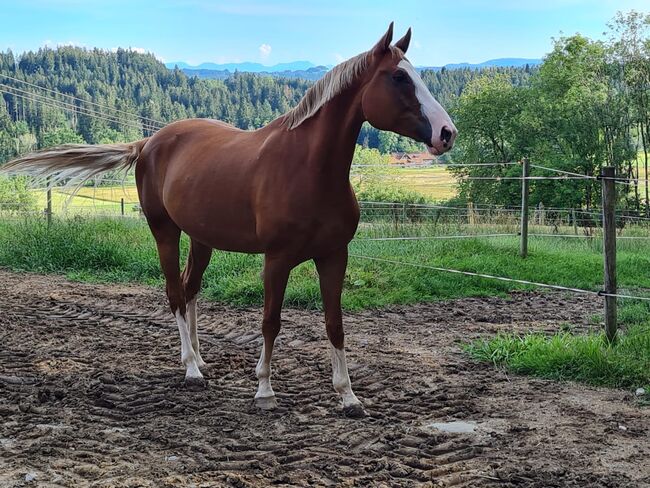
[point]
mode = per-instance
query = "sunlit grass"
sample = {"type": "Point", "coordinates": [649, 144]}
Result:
{"type": "Point", "coordinates": [107, 249]}
{"type": "Point", "coordinates": [435, 182]}
{"type": "Point", "coordinates": [587, 358]}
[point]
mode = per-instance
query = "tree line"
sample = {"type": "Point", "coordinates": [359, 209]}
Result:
{"type": "Point", "coordinates": [587, 106]}
{"type": "Point", "coordinates": [108, 86]}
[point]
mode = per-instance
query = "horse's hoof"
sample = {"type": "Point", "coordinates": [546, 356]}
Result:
{"type": "Point", "coordinates": [354, 411]}
{"type": "Point", "coordinates": [194, 383]}
{"type": "Point", "coordinates": [266, 403]}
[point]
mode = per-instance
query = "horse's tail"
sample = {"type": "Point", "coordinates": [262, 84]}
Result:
{"type": "Point", "coordinates": [76, 163]}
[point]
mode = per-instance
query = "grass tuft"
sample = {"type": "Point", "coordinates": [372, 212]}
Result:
{"type": "Point", "coordinates": [564, 356]}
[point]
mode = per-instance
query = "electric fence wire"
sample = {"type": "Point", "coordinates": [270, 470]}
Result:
{"type": "Point", "coordinates": [500, 278]}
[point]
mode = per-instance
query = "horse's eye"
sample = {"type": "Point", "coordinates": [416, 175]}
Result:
{"type": "Point", "coordinates": [400, 76]}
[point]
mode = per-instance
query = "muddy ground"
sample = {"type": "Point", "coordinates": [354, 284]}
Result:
{"type": "Point", "coordinates": [91, 395]}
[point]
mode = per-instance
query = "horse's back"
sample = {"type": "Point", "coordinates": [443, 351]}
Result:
{"type": "Point", "coordinates": [199, 173]}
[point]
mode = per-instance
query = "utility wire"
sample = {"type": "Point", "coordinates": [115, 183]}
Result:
{"type": "Point", "coordinates": [157, 122]}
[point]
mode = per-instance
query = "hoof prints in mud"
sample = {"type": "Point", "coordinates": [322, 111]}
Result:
{"type": "Point", "coordinates": [92, 394]}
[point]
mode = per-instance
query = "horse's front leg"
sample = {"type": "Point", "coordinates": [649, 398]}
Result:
{"type": "Point", "coordinates": [331, 270]}
{"type": "Point", "coordinates": [276, 274]}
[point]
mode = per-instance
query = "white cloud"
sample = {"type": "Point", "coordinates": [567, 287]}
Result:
{"type": "Point", "coordinates": [339, 57]}
{"type": "Point", "coordinates": [416, 44]}
{"type": "Point", "coordinates": [51, 44]}
{"type": "Point", "coordinates": [265, 51]}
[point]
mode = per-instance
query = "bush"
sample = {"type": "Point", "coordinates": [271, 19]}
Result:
{"type": "Point", "coordinates": [15, 194]}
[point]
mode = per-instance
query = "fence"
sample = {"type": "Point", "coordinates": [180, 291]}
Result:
{"type": "Point", "coordinates": [605, 218]}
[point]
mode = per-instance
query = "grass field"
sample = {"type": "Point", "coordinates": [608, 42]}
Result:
{"type": "Point", "coordinates": [434, 182]}
{"type": "Point", "coordinates": [123, 250]}
{"type": "Point", "coordinates": [90, 200]}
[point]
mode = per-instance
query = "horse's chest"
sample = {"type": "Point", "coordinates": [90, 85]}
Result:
{"type": "Point", "coordinates": [311, 226]}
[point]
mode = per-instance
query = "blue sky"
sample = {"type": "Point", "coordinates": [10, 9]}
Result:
{"type": "Point", "coordinates": [324, 32]}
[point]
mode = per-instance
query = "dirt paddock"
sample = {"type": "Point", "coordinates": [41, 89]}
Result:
{"type": "Point", "coordinates": [91, 395]}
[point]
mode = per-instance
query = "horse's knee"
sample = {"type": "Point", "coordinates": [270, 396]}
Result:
{"type": "Point", "coordinates": [336, 335]}
{"type": "Point", "coordinates": [271, 328]}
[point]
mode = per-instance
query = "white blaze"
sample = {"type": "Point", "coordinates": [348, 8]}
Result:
{"type": "Point", "coordinates": [431, 109]}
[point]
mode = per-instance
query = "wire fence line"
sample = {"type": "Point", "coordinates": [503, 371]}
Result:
{"type": "Point", "coordinates": [426, 238]}
{"type": "Point", "coordinates": [499, 278]}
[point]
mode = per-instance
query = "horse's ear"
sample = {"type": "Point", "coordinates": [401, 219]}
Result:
{"type": "Point", "coordinates": [403, 43]}
{"type": "Point", "coordinates": [384, 43]}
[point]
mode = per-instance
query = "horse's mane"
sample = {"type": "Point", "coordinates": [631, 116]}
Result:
{"type": "Point", "coordinates": [334, 82]}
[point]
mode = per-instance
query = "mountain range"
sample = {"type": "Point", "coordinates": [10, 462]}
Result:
{"type": "Point", "coordinates": [310, 71]}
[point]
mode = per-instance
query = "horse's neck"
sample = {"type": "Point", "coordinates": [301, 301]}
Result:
{"type": "Point", "coordinates": [332, 133]}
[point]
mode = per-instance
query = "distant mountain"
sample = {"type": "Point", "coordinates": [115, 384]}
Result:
{"type": "Point", "coordinates": [495, 63]}
{"type": "Point", "coordinates": [311, 74]}
{"type": "Point", "coordinates": [246, 67]}
{"type": "Point", "coordinates": [308, 71]}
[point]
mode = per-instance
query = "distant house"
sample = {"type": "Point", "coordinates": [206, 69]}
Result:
{"type": "Point", "coordinates": [421, 158]}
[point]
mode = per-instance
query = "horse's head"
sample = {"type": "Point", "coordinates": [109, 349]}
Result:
{"type": "Point", "coordinates": [396, 99]}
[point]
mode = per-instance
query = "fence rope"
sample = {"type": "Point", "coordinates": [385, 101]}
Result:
{"type": "Point", "coordinates": [480, 275]}
{"type": "Point", "coordinates": [560, 171]}
{"type": "Point", "coordinates": [425, 238]}
{"type": "Point", "coordinates": [600, 293]}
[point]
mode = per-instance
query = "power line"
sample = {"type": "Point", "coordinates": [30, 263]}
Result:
{"type": "Point", "coordinates": [157, 122]}
{"type": "Point", "coordinates": [65, 106]}
{"type": "Point", "coordinates": [72, 107]}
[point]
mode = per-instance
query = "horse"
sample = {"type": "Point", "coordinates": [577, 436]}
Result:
{"type": "Point", "coordinates": [282, 190]}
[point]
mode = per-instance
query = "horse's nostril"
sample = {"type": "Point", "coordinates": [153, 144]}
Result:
{"type": "Point", "coordinates": [445, 135]}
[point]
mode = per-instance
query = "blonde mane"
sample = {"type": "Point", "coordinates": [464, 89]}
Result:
{"type": "Point", "coordinates": [334, 82]}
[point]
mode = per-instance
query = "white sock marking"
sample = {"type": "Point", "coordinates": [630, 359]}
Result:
{"type": "Point", "coordinates": [263, 373]}
{"type": "Point", "coordinates": [188, 358]}
{"type": "Point", "coordinates": [341, 378]}
{"type": "Point", "coordinates": [191, 320]}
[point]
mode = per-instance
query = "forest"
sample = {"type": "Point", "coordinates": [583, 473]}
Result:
{"type": "Point", "coordinates": [113, 85]}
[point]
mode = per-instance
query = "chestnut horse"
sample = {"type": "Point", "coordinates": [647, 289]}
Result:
{"type": "Point", "coordinates": [282, 190]}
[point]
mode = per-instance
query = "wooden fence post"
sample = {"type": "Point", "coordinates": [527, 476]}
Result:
{"type": "Point", "coordinates": [122, 206]}
{"type": "Point", "coordinates": [575, 222]}
{"type": "Point", "coordinates": [608, 174]}
{"type": "Point", "coordinates": [523, 245]}
{"type": "Point", "coordinates": [48, 209]}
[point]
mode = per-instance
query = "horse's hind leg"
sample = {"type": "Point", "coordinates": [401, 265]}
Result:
{"type": "Point", "coordinates": [197, 261]}
{"type": "Point", "coordinates": [167, 236]}
{"type": "Point", "coordinates": [331, 272]}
